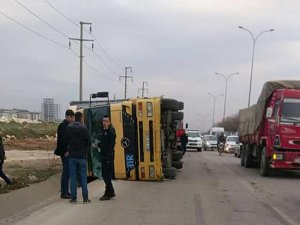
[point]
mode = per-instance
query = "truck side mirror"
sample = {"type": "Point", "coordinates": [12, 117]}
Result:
{"type": "Point", "coordinates": [186, 126]}
{"type": "Point", "coordinates": [269, 112]}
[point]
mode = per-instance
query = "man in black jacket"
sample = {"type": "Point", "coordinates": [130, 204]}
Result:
{"type": "Point", "coordinates": [184, 140]}
{"type": "Point", "coordinates": [107, 145]}
{"type": "Point", "coordinates": [61, 150]}
{"type": "Point", "coordinates": [2, 158]}
{"type": "Point", "coordinates": [77, 140]}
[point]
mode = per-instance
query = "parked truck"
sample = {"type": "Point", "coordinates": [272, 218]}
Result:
{"type": "Point", "coordinates": [270, 130]}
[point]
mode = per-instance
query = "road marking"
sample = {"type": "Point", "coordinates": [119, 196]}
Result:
{"type": "Point", "coordinates": [283, 218]}
{"type": "Point", "coordinates": [199, 210]}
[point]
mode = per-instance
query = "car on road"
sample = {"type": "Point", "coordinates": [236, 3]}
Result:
{"type": "Point", "coordinates": [232, 144]}
{"type": "Point", "coordinates": [210, 142]}
{"type": "Point", "coordinates": [194, 140]}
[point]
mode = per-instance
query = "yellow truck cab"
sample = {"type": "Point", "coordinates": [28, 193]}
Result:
{"type": "Point", "coordinates": [145, 137]}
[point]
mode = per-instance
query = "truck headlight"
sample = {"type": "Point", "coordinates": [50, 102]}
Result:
{"type": "Point", "coordinates": [277, 156]}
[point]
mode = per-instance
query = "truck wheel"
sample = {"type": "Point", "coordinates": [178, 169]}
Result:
{"type": "Point", "coordinates": [168, 104]}
{"type": "Point", "coordinates": [176, 156]}
{"type": "Point", "coordinates": [248, 159]}
{"type": "Point", "coordinates": [170, 173]}
{"type": "Point", "coordinates": [177, 115]}
{"type": "Point", "coordinates": [242, 156]}
{"type": "Point", "coordinates": [180, 105]}
{"type": "Point", "coordinates": [199, 149]}
{"type": "Point", "coordinates": [264, 167]}
{"type": "Point", "coordinates": [177, 165]}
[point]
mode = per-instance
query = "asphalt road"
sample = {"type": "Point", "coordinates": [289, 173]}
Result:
{"type": "Point", "coordinates": [210, 190]}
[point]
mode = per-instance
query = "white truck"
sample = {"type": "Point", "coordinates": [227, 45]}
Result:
{"type": "Point", "coordinates": [217, 131]}
{"type": "Point", "coordinates": [194, 140]}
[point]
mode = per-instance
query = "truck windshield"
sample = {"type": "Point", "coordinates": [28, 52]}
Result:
{"type": "Point", "coordinates": [193, 135]}
{"type": "Point", "coordinates": [291, 110]}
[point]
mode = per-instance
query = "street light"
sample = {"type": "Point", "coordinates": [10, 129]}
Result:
{"type": "Point", "coordinates": [226, 79]}
{"type": "Point", "coordinates": [254, 42]}
{"type": "Point", "coordinates": [214, 97]}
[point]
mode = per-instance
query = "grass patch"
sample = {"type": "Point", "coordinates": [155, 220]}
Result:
{"type": "Point", "coordinates": [27, 130]}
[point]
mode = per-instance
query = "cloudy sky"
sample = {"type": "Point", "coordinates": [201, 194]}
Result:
{"type": "Point", "coordinates": [174, 45]}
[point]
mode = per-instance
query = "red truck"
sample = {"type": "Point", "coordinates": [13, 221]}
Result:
{"type": "Point", "coordinates": [270, 130]}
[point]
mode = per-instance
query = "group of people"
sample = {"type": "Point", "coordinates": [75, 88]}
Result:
{"type": "Point", "coordinates": [72, 147]}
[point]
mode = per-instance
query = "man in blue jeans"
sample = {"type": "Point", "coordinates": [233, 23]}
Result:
{"type": "Point", "coordinates": [77, 141]}
{"type": "Point", "coordinates": [61, 150]}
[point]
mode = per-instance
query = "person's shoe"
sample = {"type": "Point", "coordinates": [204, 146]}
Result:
{"type": "Point", "coordinates": [73, 201]}
{"type": "Point", "coordinates": [112, 194]}
{"type": "Point", "coordinates": [65, 196]}
{"type": "Point", "coordinates": [85, 201]}
{"type": "Point", "coordinates": [105, 197]}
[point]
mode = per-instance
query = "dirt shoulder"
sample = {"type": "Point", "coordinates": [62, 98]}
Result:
{"type": "Point", "coordinates": [29, 161]}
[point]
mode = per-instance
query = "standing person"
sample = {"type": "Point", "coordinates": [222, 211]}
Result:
{"type": "Point", "coordinates": [61, 150]}
{"type": "Point", "coordinates": [77, 140]}
{"type": "Point", "coordinates": [2, 158]}
{"type": "Point", "coordinates": [184, 140]}
{"type": "Point", "coordinates": [107, 145]}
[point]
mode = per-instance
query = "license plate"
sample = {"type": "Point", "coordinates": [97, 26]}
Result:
{"type": "Point", "coordinates": [297, 160]}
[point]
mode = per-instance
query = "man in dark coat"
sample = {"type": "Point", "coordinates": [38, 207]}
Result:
{"type": "Point", "coordinates": [61, 150]}
{"type": "Point", "coordinates": [107, 145]}
{"type": "Point", "coordinates": [184, 140]}
{"type": "Point", "coordinates": [77, 140]}
{"type": "Point", "coordinates": [2, 158]}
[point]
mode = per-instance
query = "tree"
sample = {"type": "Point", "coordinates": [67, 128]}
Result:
{"type": "Point", "coordinates": [231, 123]}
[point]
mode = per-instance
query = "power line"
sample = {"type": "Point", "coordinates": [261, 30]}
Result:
{"type": "Point", "coordinates": [33, 31]}
{"type": "Point", "coordinates": [97, 71]}
{"type": "Point", "coordinates": [98, 44]}
{"type": "Point", "coordinates": [41, 19]}
{"type": "Point", "coordinates": [101, 60]}
{"type": "Point", "coordinates": [105, 52]}
{"type": "Point", "coordinates": [53, 7]}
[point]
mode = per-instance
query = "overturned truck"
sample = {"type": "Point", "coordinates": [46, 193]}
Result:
{"type": "Point", "coordinates": [145, 136]}
{"type": "Point", "coordinates": [270, 129]}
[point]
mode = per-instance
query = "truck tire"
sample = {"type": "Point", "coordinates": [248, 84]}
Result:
{"type": "Point", "coordinates": [180, 105]}
{"type": "Point", "coordinates": [168, 104]}
{"type": "Point", "coordinates": [199, 149]}
{"type": "Point", "coordinates": [176, 156]}
{"type": "Point", "coordinates": [264, 167]}
{"type": "Point", "coordinates": [177, 115]}
{"type": "Point", "coordinates": [170, 173]}
{"type": "Point", "coordinates": [242, 155]}
{"type": "Point", "coordinates": [248, 159]}
{"type": "Point", "coordinates": [177, 165]}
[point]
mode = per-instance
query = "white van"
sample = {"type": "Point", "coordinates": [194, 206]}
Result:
{"type": "Point", "coordinates": [217, 131]}
{"type": "Point", "coordinates": [195, 140]}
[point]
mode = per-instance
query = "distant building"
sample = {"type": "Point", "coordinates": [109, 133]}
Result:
{"type": "Point", "coordinates": [21, 114]}
{"type": "Point", "coordinates": [50, 110]}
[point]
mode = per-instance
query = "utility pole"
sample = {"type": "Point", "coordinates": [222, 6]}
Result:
{"type": "Point", "coordinates": [81, 54]}
{"type": "Point", "coordinates": [125, 78]}
{"type": "Point", "coordinates": [143, 89]}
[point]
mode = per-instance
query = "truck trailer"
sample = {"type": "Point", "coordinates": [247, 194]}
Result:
{"type": "Point", "coordinates": [270, 130]}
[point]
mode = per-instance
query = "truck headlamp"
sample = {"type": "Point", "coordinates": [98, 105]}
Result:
{"type": "Point", "coordinates": [277, 156]}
